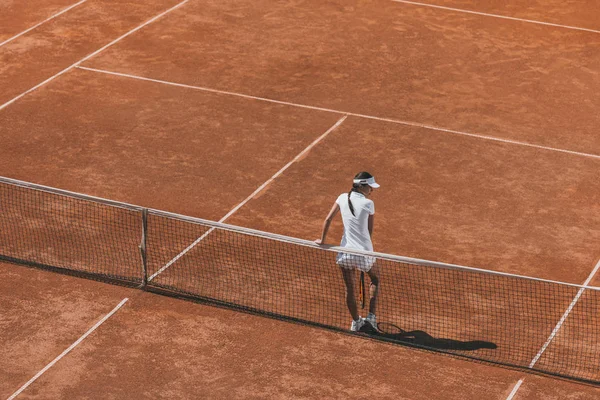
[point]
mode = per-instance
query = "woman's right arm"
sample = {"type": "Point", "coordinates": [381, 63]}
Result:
{"type": "Point", "coordinates": [334, 210]}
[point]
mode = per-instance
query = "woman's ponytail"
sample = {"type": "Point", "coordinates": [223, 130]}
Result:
{"type": "Point", "coordinates": [355, 187]}
{"type": "Point", "coordinates": [350, 202]}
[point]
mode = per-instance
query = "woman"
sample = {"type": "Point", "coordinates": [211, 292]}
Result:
{"type": "Point", "coordinates": [357, 215]}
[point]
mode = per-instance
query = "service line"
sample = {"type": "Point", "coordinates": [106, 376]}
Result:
{"type": "Point", "coordinates": [391, 120]}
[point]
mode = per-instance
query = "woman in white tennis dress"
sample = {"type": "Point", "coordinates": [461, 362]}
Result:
{"type": "Point", "coordinates": [358, 213]}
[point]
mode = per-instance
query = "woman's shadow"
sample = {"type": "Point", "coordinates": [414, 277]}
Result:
{"type": "Point", "coordinates": [393, 333]}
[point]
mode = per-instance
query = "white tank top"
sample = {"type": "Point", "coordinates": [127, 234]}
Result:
{"type": "Point", "coordinates": [356, 228]}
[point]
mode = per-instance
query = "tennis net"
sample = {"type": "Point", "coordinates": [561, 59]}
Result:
{"type": "Point", "coordinates": [530, 323]}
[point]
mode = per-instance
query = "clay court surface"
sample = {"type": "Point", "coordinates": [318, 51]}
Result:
{"type": "Point", "coordinates": [481, 130]}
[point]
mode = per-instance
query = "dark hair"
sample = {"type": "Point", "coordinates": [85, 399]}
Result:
{"type": "Point", "coordinates": [356, 186]}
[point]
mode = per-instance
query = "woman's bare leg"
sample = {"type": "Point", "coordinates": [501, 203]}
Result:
{"type": "Point", "coordinates": [373, 288]}
{"type": "Point", "coordinates": [348, 275]}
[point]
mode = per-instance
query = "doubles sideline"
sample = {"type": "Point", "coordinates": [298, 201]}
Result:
{"type": "Point", "coordinates": [555, 330]}
{"type": "Point", "coordinates": [41, 23]}
{"type": "Point", "coordinates": [92, 55]}
{"type": "Point", "coordinates": [68, 350]}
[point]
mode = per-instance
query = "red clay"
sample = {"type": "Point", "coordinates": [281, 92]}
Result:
{"type": "Point", "coordinates": [43, 313]}
{"type": "Point", "coordinates": [161, 347]}
{"type": "Point", "coordinates": [443, 196]}
{"type": "Point", "coordinates": [452, 199]}
{"type": "Point", "coordinates": [573, 13]}
{"type": "Point", "coordinates": [487, 76]}
{"type": "Point", "coordinates": [540, 388]}
{"type": "Point", "coordinates": [158, 146]}
{"type": "Point", "coordinates": [34, 57]}
{"type": "Point", "coordinates": [18, 16]}
{"type": "Point", "coordinates": [157, 347]}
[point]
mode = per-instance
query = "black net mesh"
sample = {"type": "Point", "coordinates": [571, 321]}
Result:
{"type": "Point", "coordinates": [548, 326]}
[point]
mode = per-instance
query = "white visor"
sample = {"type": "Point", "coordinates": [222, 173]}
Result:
{"type": "Point", "coordinates": [371, 182]}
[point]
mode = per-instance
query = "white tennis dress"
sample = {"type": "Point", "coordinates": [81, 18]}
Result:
{"type": "Point", "coordinates": [356, 231]}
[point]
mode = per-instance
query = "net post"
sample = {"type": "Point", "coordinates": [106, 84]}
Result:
{"type": "Point", "coordinates": [142, 247]}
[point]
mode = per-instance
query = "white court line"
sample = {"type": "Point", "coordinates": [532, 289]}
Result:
{"type": "Point", "coordinates": [498, 16]}
{"type": "Point", "coordinates": [564, 317]}
{"type": "Point", "coordinates": [71, 347]}
{"type": "Point", "coordinates": [391, 120]}
{"type": "Point", "coordinates": [93, 54]}
{"type": "Point", "coordinates": [559, 324]}
{"type": "Point", "coordinates": [43, 22]}
{"type": "Point", "coordinates": [260, 188]}
{"type": "Point", "coordinates": [515, 390]}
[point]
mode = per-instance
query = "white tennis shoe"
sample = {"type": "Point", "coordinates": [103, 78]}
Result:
{"type": "Point", "coordinates": [357, 325]}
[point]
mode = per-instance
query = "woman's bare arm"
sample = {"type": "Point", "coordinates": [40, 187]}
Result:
{"type": "Point", "coordinates": [334, 210]}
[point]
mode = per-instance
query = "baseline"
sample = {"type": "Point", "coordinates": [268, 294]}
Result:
{"type": "Point", "coordinates": [392, 120]}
